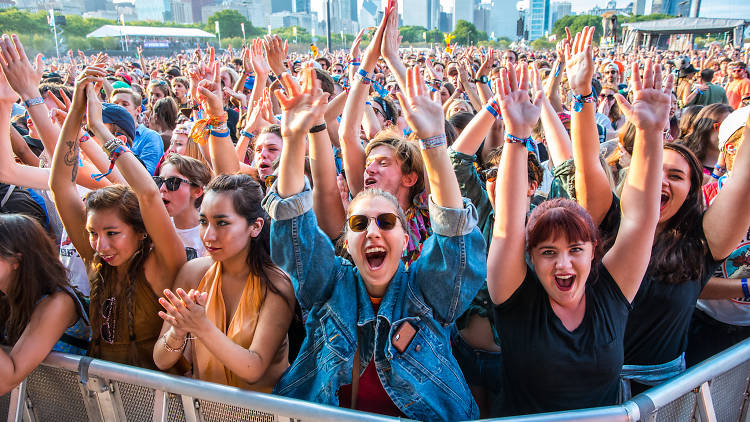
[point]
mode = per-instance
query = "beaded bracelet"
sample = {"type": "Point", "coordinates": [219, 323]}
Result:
{"type": "Point", "coordinates": [433, 142]}
{"type": "Point", "coordinates": [246, 133]}
{"type": "Point", "coordinates": [528, 142]}
{"type": "Point", "coordinates": [578, 101]}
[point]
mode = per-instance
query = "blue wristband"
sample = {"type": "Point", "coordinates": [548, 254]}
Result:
{"type": "Point", "coordinates": [745, 290]}
{"type": "Point", "coordinates": [246, 133]}
{"type": "Point", "coordinates": [578, 101]}
{"type": "Point", "coordinates": [528, 142]}
{"type": "Point", "coordinates": [220, 134]}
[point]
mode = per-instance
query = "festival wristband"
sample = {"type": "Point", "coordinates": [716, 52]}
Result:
{"type": "Point", "coordinates": [745, 290]}
{"type": "Point", "coordinates": [33, 101]}
{"type": "Point", "coordinates": [433, 142]}
{"type": "Point", "coordinates": [528, 142]}
{"type": "Point", "coordinates": [116, 153]}
{"type": "Point", "coordinates": [246, 133]}
{"type": "Point", "coordinates": [218, 134]}
{"type": "Point", "coordinates": [579, 100]}
{"type": "Point", "coordinates": [364, 76]}
{"type": "Point", "coordinates": [84, 138]}
{"type": "Point", "coordinates": [318, 128]}
{"type": "Point", "coordinates": [494, 109]}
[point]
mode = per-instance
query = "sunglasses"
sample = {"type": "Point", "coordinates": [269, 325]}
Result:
{"type": "Point", "coordinates": [109, 320]}
{"type": "Point", "coordinates": [360, 223]}
{"type": "Point", "coordinates": [490, 175]}
{"type": "Point", "coordinates": [607, 96]}
{"type": "Point", "coordinates": [172, 183]}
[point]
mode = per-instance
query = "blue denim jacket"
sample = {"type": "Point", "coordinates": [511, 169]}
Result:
{"type": "Point", "coordinates": [425, 382]}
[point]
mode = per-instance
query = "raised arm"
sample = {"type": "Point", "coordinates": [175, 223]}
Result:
{"type": "Point", "coordinates": [352, 151]}
{"type": "Point", "coordinates": [506, 265]}
{"type": "Point", "coordinates": [303, 106]}
{"type": "Point", "coordinates": [485, 94]}
{"type": "Point", "coordinates": [592, 186]}
{"type": "Point", "coordinates": [628, 258]}
{"type": "Point", "coordinates": [390, 50]}
{"type": "Point", "coordinates": [471, 137]}
{"type": "Point", "coordinates": [167, 246]}
{"type": "Point", "coordinates": [726, 219]}
{"type": "Point", "coordinates": [223, 156]}
{"type": "Point", "coordinates": [425, 118]}
{"type": "Point", "coordinates": [65, 168]}
{"type": "Point", "coordinates": [558, 142]}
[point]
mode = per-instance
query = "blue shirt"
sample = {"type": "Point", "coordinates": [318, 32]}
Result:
{"type": "Point", "coordinates": [424, 381]}
{"type": "Point", "coordinates": [148, 147]}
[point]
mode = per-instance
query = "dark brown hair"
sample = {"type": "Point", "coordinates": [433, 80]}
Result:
{"type": "Point", "coordinates": [699, 138]}
{"type": "Point", "coordinates": [561, 217]}
{"type": "Point", "coordinates": [103, 276]}
{"type": "Point", "coordinates": [193, 170]}
{"type": "Point", "coordinates": [39, 272]}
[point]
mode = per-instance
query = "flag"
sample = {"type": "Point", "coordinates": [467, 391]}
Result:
{"type": "Point", "coordinates": [242, 26]}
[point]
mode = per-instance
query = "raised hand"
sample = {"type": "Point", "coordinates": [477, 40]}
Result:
{"type": "Point", "coordinates": [650, 107]}
{"type": "Point", "coordinates": [303, 106]}
{"type": "Point", "coordinates": [209, 93]}
{"type": "Point", "coordinates": [425, 116]}
{"type": "Point", "coordinates": [391, 38]}
{"type": "Point", "coordinates": [519, 113]}
{"type": "Point", "coordinates": [185, 311]}
{"type": "Point", "coordinates": [489, 59]}
{"type": "Point", "coordinates": [354, 52]}
{"type": "Point", "coordinates": [257, 59]}
{"type": "Point", "coordinates": [580, 61]}
{"type": "Point", "coordinates": [276, 50]}
{"type": "Point", "coordinates": [21, 75]}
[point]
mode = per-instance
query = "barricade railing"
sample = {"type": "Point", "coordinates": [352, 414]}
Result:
{"type": "Point", "coordinates": [74, 388]}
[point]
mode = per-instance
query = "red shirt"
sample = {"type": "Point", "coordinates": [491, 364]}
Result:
{"type": "Point", "coordinates": [737, 90]}
{"type": "Point", "coordinates": [371, 396]}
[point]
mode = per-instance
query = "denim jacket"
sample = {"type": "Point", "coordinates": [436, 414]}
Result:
{"type": "Point", "coordinates": [425, 382]}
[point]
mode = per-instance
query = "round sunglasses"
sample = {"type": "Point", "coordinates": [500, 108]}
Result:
{"type": "Point", "coordinates": [360, 223]}
{"type": "Point", "coordinates": [172, 183]}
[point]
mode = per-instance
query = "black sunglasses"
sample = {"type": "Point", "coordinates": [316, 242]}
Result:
{"type": "Point", "coordinates": [360, 223]}
{"type": "Point", "coordinates": [172, 183]}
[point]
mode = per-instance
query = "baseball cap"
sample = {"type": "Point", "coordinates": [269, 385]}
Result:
{"type": "Point", "coordinates": [734, 122]}
{"type": "Point", "coordinates": [115, 114]}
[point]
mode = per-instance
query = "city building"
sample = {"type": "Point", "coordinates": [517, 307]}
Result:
{"type": "Point", "coordinates": [288, 19]}
{"type": "Point", "coordinates": [197, 6]}
{"type": "Point", "coordinates": [424, 13]}
{"type": "Point", "coordinates": [368, 13]}
{"type": "Point", "coordinates": [639, 7]}
{"type": "Point", "coordinates": [463, 10]}
{"type": "Point", "coordinates": [558, 11]}
{"type": "Point", "coordinates": [444, 22]}
{"type": "Point", "coordinates": [537, 18]}
{"type": "Point", "coordinates": [281, 6]}
{"type": "Point", "coordinates": [483, 17]}
{"type": "Point", "coordinates": [182, 12]}
{"type": "Point", "coordinates": [612, 7]}
{"type": "Point", "coordinates": [154, 10]}
{"type": "Point", "coordinates": [723, 8]}
{"type": "Point", "coordinates": [503, 19]}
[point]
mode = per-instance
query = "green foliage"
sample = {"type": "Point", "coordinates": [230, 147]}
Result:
{"type": "Point", "coordinates": [229, 24]}
{"type": "Point", "coordinates": [576, 24]}
{"type": "Point", "coordinates": [303, 37]}
{"type": "Point", "coordinates": [542, 44]}
{"type": "Point", "coordinates": [502, 43]}
{"type": "Point", "coordinates": [466, 33]}
{"type": "Point", "coordinates": [642, 18]}
{"type": "Point", "coordinates": [412, 33]}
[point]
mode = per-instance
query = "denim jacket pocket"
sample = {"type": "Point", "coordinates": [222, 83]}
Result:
{"type": "Point", "coordinates": [425, 360]}
{"type": "Point", "coordinates": [336, 339]}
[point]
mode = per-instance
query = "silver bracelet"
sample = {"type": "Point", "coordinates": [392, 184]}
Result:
{"type": "Point", "coordinates": [433, 142]}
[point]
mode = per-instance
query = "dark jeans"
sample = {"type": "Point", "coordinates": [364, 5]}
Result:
{"type": "Point", "coordinates": [708, 337]}
{"type": "Point", "coordinates": [480, 368]}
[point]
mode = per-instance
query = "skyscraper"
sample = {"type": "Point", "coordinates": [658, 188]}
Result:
{"type": "Point", "coordinates": [503, 18]}
{"type": "Point", "coordinates": [424, 13]}
{"type": "Point", "coordinates": [559, 10]}
{"type": "Point", "coordinates": [464, 10]}
{"type": "Point", "coordinates": [281, 6]}
{"type": "Point", "coordinates": [537, 18]}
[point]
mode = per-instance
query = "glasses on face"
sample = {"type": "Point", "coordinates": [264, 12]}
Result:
{"type": "Point", "coordinates": [607, 96]}
{"type": "Point", "coordinates": [172, 183]}
{"type": "Point", "coordinates": [360, 223]}
{"type": "Point", "coordinates": [109, 320]}
{"type": "Point", "coordinates": [490, 175]}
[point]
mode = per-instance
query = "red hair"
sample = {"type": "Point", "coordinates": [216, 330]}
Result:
{"type": "Point", "coordinates": [560, 218]}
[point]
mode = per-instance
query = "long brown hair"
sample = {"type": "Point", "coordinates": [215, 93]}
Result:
{"type": "Point", "coordinates": [680, 247]}
{"type": "Point", "coordinates": [103, 276]}
{"type": "Point", "coordinates": [39, 272]}
{"type": "Point", "coordinates": [699, 138]}
{"type": "Point", "coordinates": [246, 195]}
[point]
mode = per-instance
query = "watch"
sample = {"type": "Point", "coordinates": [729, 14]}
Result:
{"type": "Point", "coordinates": [482, 79]}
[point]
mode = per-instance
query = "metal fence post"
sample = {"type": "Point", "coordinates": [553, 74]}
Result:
{"type": "Point", "coordinates": [705, 404]}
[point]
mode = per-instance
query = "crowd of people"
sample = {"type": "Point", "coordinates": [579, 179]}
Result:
{"type": "Point", "coordinates": [437, 235]}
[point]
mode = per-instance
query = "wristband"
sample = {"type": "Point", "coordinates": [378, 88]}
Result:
{"type": "Point", "coordinates": [246, 133]}
{"type": "Point", "coordinates": [528, 142]}
{"type": "Point", "coordinates": [221, 127]}
{"type": "Point", "coordinates": [364, 76]}
{"type": "Point", "coordinates": [217, 134]}
{"type": "Point", "coordinates": [118, 150]}
{"type": "Point", "coordinates": [84, 138]}
{"type": "Point", "coordinates": [318, 128]}
{"type": "Point", "coordinates": [494, 109]}
{"type": "Point", "coordinates": [745, 290]}
{"type": "Point", "coordinates": [578, 101]}
{"type": "Point", "coordinates": [433, 142]}
{"type": "Point", "coordinates": [33, 101]}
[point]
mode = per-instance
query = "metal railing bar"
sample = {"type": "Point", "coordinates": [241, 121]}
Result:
{"type": "Point", "coordinates": [692, 378]}
{"type": "Point", "coordinates": [597, 414]}
{"type": "Point", "coordinates": [161, 406]}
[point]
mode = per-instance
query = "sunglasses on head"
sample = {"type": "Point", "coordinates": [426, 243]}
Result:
{"type": "Point", "coordinates": [172, 183]}
{"type": "Point", "coordinates": [490, 175]}
{"type": "Point", "coordinates": [360, 223]}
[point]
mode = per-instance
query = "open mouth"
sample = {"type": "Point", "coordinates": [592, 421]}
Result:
{"type": "Point", "coordinates": [565, 282]}
{"type": "Point", "coordinates": [664, 201]}
{"type": "Point", "coordinates": [107, 258]}
{"type": "Point", "coordinates": [370, 182]}
{"type": "Point", "coordinates": [166, 201]}
{"type": "Point", "coordinates": [375, 256]}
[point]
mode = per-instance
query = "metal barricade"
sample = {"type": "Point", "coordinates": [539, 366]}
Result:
{"type": "Point", "coordinates": [74, 388]}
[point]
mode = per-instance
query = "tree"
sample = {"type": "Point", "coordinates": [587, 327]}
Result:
{"type": "Point", "coordinates": [542, 44]}
{"type": "Point", "coordinates": [412, 33]}
{"type": "Point", "coordinates": [576, 24]}
{"type": "Point", "coordinates": [466, 33]}
{"type": "Point", "coordinates": [229, 24]}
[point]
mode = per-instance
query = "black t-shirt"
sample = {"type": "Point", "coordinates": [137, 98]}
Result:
{"type": "Point", "coordinates": [548, 368]}
{"type": "Point", "coordinates": [657, 329]}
